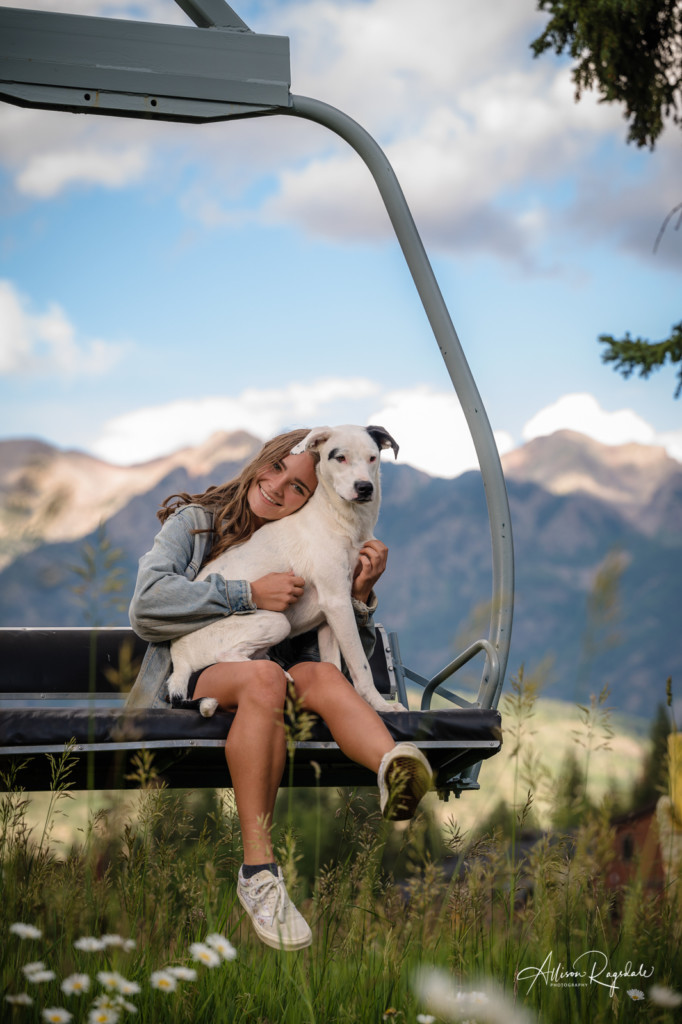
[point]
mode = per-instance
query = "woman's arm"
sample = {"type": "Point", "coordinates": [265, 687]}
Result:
{"type": "Point", "coordinates": [168, 602]}
{"type": "Point", "coordinates": [371, 565]}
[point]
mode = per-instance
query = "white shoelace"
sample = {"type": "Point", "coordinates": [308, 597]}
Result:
{"type": "Point", "coordinates": [273, 894]}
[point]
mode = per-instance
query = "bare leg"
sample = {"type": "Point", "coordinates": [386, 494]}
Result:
{"type": "Point", "coordinates": [255, 748]}
{"type": "Point", "coordinates": [356, 727]}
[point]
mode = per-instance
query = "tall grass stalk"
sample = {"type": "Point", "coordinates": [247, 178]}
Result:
{"type": "Point", "coordinates": [387, 903]}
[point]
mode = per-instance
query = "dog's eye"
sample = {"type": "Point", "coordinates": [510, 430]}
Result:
{"type": "Point", "coordinates": [340, 458]}
{"type": "Point", "coordinates": [372, 458]}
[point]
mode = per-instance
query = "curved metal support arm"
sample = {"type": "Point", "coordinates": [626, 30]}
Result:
{"type": "Point", "coordinates": [492, 669]}
{"type": "Point", "coordinates": [465, 386]}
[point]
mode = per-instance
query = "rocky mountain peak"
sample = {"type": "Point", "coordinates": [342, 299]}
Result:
{"type": "Point", "coordinates": [566, 462]}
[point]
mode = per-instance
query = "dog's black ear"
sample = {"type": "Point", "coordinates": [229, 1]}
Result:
{"type": "Point", "coordinates": [383, 439]}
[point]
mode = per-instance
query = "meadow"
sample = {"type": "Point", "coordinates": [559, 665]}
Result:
{"type": "Point", "coordinates": [124, 907]}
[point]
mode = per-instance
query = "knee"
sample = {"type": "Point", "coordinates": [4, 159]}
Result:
{"type": "Point", "coordinates": [316, 680]}
{"type": "Point", "coordinates": [267, 686]}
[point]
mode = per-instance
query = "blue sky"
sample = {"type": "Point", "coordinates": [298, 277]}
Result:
{"type": "Point", "coordinates": [160, 282]}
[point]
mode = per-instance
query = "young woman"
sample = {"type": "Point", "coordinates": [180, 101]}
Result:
{"type": "Point", "coordinates": [169, 602]}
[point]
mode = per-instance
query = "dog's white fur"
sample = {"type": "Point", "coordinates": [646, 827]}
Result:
{"type": "Point", "coordinates": [321, 543]}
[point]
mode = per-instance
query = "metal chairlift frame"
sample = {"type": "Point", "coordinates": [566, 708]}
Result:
{"type": "Point", "coordinates": [220, 70]}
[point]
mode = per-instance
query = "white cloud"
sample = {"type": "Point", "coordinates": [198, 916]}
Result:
{"type": "Point", "coordinates": [47, 174]}
{"type": "Point", "coordinates": [432, 431]}
{"type": "Point", "coordinates": [584, 414]}
{"type": "Point", "coordinates": [474, 126]}
{"type": "Point", "coordinates": [428, 425]}
{"type": "Point", "coordinates": [465, 125]}
{"type": "Point", "coordinates": [46, 343]}
{"type": "Point", "coordinates": [158, 430]}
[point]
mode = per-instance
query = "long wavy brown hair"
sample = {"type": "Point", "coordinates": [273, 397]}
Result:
{"type": "Point", "coordinates": [233, 520]}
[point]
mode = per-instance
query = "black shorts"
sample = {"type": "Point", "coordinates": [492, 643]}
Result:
{"type": "Point", "coordinates": [286, 654]}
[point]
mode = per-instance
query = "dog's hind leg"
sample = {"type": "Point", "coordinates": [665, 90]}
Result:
{"type": "Point", "coordinates": [233, 638]}
{"type": "Point", "coordinates": [328, 645]}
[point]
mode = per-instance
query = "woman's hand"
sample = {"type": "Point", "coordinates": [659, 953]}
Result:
{"type": "Point", "coordinates": [371, 564]}
{"type": "Point", "coordinates": [277, 591]}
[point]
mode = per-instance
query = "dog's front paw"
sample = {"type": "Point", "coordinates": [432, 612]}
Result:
{"type": "Point", "coordinates": [208, 706]}
{"type": "Point", "coordinates": [379, 704]}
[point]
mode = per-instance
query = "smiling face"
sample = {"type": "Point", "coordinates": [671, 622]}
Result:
{"type": "Point", "coordinates": [282, 488]}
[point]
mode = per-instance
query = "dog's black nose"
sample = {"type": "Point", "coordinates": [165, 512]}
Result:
{"type": "Point", "coordinates": [364, 489]}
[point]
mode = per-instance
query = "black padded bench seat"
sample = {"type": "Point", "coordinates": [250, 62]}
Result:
{"type": "Point", "coordinates": [56, 685]}
{"type": "Point", "coordinates": [188, 749]}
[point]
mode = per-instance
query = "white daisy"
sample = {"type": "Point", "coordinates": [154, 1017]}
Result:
{"type": "Point", "coordinates": [130, 1007]}
{"type": "Point", "coordinates": [25, 931]}
{"type": "Point", "coordinates": [425, 1018]}
{"type": "Point", "coordinates": [21, 999]}
{"type": "Point", "coordinates": [103, 1015]}
{"type": "Point", "coordinates": [164, 981]}
{"type": "Point", "coordinates": [55, 1015]}
{"type": "Point", "coordinates": [183, 973]}
{"type": "Point", "coordinates": [661, 995]}
{"type": "Point", "coordinates": [221, 945]}
{"type": "Point", "coordinates": [207, 956]}
{"type": "Point", "coordinates": [75, 984]}
{"type": "Point", "coordinates": [39, 977]}
{"type": "Point", "coordinates": [128, 988]}
{"type": "Point", "coordinates": [89, 944]}
{"type": "Point", "coordinates": [635, 994]}
{"type": "Point", "coordinates": [438, 989]}
{"type": "Point", "coordinates": [33, 967]}
{"type": "Point", "coordinates": [110, 980]}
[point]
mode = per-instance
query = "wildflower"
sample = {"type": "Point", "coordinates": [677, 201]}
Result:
{"type": "Point", "coordinates": [128, 945]}
{"type": "Point", "coordinates": [25, 931]}
{"type": "Point", "coordinates": [103, 1015]}
{"type": "Point", "coordinates": [128, 988]}
{"type": "Point", "coordinates": [221, 945]}
{"type": "Point", "coordinates": [635, 994]}
{"type": "Point", "coordinates": [105, 1002]}
{"type": "Point", "coordinates": [21, 999]}
{"type": "Point", "coordinates": [55, 1015]}
{"type": "Point", "coordinates": [40, 976]}
{"type": "Point", "coordinates": [391, 1014]}
{"type": "Point", "coordinates": [425, 1018]}
{"type": "Point", "coordinates": [183, 973]}
{"type": "Point", "coordinates": [75, 984]}
{"type": "Point", "coordinates": [207, 956]}
{"type": "Point", "coordinates": [33, 967]}
{"type": "Point", "coordinates": [110, 980]}
{"type": "Point", "coordinates": [437, 989]}
{"type": "Point", "coordinates": [663, 996]}
{"type": "Point", "coordinates": [130, 1007]}
{"type": "Point", "coordinates": [89, 944]}
{"type": "Point", "coordinates": [164, 981]}
{"type": "Point", "coordinates": [112, 940]}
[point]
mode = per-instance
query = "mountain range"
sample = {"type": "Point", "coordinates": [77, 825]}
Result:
{"type": "Point", "coordinates": [597, 535]}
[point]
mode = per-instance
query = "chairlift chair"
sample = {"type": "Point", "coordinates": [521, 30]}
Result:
{"type": "Point", "coordinates": [219, 70]}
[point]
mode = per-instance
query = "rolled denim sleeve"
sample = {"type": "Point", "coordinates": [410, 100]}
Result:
{"type": "Point", "coordinates": [168, 602]}
{"type": "Point", "coordinates": [364, 618]}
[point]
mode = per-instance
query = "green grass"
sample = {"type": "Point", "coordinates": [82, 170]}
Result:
{"type": "Point", "coordinates": [388, 905]}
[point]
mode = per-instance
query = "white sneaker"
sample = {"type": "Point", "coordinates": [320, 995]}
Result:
{"type": "Point", "coordinates": [277, 921]}
{"type": "Point", "coordinates": [404, 777]}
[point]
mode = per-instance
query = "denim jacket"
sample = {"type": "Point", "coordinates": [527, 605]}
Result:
{"type": "Point", "coordinates": [169, 601]}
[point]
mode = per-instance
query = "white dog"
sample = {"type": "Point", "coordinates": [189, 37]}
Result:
{"type": "Point", "coordinates": [320, 543]}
